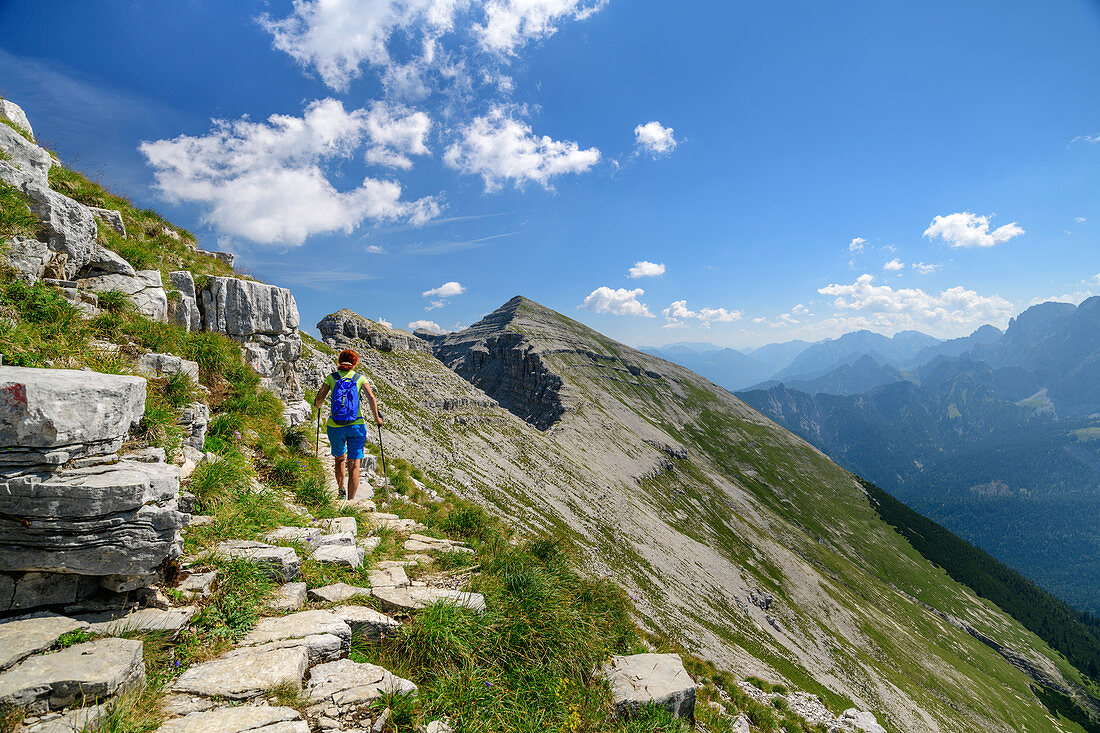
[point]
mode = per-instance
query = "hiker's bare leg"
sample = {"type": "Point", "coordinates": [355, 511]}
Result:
{"type": "Point", "coordinates": [340, 472]}
{"type": "Point", "coordinates": [353, 477]}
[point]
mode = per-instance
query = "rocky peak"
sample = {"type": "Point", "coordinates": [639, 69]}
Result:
{"type": "Point", "coordinates": [346, 329]}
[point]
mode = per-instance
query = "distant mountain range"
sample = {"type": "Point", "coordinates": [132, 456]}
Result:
{"type": "Point", "coordinates": [996, 436]}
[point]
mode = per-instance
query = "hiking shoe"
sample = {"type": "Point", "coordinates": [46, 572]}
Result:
{"type": "Point", "coordinates": [341, 494]}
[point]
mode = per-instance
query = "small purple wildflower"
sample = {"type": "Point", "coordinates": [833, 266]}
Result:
{"type": "Point", "coordinates": [488, 683]}
{"type": "Point", "coordinates": [176, 663]}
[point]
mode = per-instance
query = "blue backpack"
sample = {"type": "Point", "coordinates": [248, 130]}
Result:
{"type": "Point", "coordinates": [345, 398]}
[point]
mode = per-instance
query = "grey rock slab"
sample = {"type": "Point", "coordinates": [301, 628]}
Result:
{"type": "Point", "coordinates": [71, 721]}
{"type": "Point", "coordinates": [640, 679]}
{"type": "Point", "coordinates": [110, 217]}
{"type": "Point", "coordinates": [337, 593]}
{"type": "Point", "coordinates": [31, 590]}
{"type": "Point", "coordinates": [348, 555]}
{"type": "Point", "coordinates": [145, 289]}
{"type": "Point", "coordinates": [107, 520]}
{"type": "Point", "coordinates": [388, 578]}
{"type": "Point", "coordinates": [238, 307]}
{"type": "Point", "coordinates": [12, 111]}
{"type": "Point", "coordinates": [200, 520]}
{"type": "Point", "coordinates": [281, 563]}
{"type": "Point", "coordinates": [92, 670]}
{"type": "Point", "coordinates": [174, 704]}
{"type": "Point", "coordinates": [438, 726]}
{"type": "Point", "coordinates": [365, 620]}
{"type": "Point", "coordinates": [241, 719]}
{"type": "Point", "coordinates": [157, 365]}
{"type": "Point", "coordinates": [27, 635]}
{"type": "Point", "coordinates": [350, 686]}
{"type": "Point", "coordinates": [338, 525]}
{"type": "Point", "coordinates": [297, 626]}
{"type": "Point", "coordinates": [183, 310]}
{"type": "Point", "coordinates": [419, 545]}
{"type": "Point", "coordinates": [319, 648]}
{"type": "Point", "coordinates": [289, 597]}
{"type": "Point", "coordinates": [25, 155]}
{"type": "Point", "coordinates": [370, 543]}
{"type": "Point", "coordinates": [860, 720]}
{"type": "Point", "coordinates": [406, 600]}
{"type": "Point", "coordinates": [294, 534]}
{"type": "Point", "coordinates": [57, 408]}
{"type": "Point", "coordinates": [102, 261]}
{"type": "Point", "coordinates": [29, 256]}
{"type": "Point", "coordinates": [335, 538]}
{"type": "Point", "coordinates": [198, 585]}
{"type": "Point", "coordinates": [245, 673]}
{"type": "Point", "coordinates": [146, 619]}
{"type": "Point", "coordinates": [384, 564]}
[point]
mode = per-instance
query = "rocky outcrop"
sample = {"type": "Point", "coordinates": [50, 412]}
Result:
{"type": "Point", "coordinates": [639, 680]}
{"type": "Point", "coordinates": [346, 329]}
{"type": "Point", "coordinates": [13, 112]}
{"type": "Point", "coordinates": [183, 303]}
{"type": "Point", "coordinates": [110, 217]}
{"type": "Point", "coordinates": [144, 289]}
{"type": "Point", "coordinates": [264, 320]}
{"type": "Point", "coordinates": [74, 515]}
{"type": "Point", "coordinates": [503, 363]}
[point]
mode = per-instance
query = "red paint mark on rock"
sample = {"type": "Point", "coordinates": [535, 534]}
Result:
{"type": "Point", "coordinates": [15, 394]}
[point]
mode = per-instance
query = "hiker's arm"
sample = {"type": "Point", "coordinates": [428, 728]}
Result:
{"type": "Point", "coordinates": [321, 395]}
{"type": "Point", "coordinates": [373, 404]}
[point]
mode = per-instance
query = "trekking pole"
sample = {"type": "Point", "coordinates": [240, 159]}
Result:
{"type": "Point", "coordinates": [385, 477]}
{"type": "Point", "coordinates": [317, 440]}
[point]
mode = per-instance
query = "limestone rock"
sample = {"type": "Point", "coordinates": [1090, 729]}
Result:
{"type": "Point", "coordinates": [335, 538]}
{"type": "Point", "coordinates": [338, 593]}
{"type": "Point", "coordinates": [77, 720]}
{"type": "Point", "coordinates": [338, 525]}
{"type": "Point", "coordinates": [860, 720]}
{"type": "Point", "coordinates": [27, 635]}
{"type": "Point", "coordinates": [388, 578]}
{"type": "Point", "coordinates": [281, 563]}
{"type": "Point", "coordinates": [365, 620]}
{"type": "Point", "coordinates": [344, 328]}
{"type": "Point", "coordinates": [145, 290]}
{"type": "Point", "coordinates": [25, 155]}
{"type": "Point", "coordinates": [92, 670]}
{"type": "Point", "coordinates": [294, 534]}
{"type": "Point", "coordinates": [242, 719]}
{"type": "Point", "coordinates": [245, 673]}
{"type": "Point", "coordinates": [640, 679]}
{"type": "Point", "coordinates": [21, 591]}
{"type": "Point", "coordinates": [110, 217]}
{"type": "Point", "coordinates": [29, 256]}
{"type": "Point", "coordinates": [438, 726]}
{"type": "Point", "coordinates": [289, 597]}
{"type": "Point", "coordinates": [227, 257]}
{"type": "Point", "coordinates": [351, 686]}
{"type": "Point", "coordinates": [297, 626]}
{"type": "Point", "coordinates": [53, 415]}
{"type": "Point", "coordinates": [113, 623]}
{"type": "Point", "coordinates": [741, 724]}
{"type": "Point", "coordinates": [12, 111]}
{"type": "Point", "coordinates": [183, 310]}
{"type": "Point", "coordinates": [413, 599]}
{"type": "Point", "coordinates": [348, 555]}
{"type": "Point", "coordinates": [157, 365]}
{"type": "Point", "coordinates": [198, 585]}
{"type": "Point", "coordinates": [106, 520]}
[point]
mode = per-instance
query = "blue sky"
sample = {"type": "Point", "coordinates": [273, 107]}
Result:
{"type": "Point", "coordinates": [767, 170]}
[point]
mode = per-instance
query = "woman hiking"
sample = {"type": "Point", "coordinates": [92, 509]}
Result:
{"type": "Point", "coordinates": [346, 426]}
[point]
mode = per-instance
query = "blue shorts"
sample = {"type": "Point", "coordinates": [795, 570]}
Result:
{"type": "Point", "coordinates": [354, 436]}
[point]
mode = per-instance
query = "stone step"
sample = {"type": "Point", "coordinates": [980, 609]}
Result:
{"type": "Point", "coordinates": [27, 635]}
{"type": "Point", "coordinates": [388, 578]}
{"type": "Point", "coordinates": [89, 671]}
{"type": "Point", "coordinates": [407, 600]}
{"type": "Point", "coordinates": [281, 563]}
{"type": "Point", "coordinates": [245, 673]}
{"type": "Point", "coordinates": [294, 534]}
{"type": "Point", "coordinates": [289, 597]}
{"type": "Point", "coordinates": [346, 555]}
{"type": "Point", "coordinates": [71, 721]}
{"type": "Point", "coordinates": [248, 718]}
{"type": "Point", "coordinates": [338, 524]}
{"type": "Point", "coordinates": [366, 621]}
{"type": "Point", "coordinates": [344, 690]}
{"type": "Point", "coordinates": [115, 623]}
{"type": "Point", "coordinates": [337, 593]}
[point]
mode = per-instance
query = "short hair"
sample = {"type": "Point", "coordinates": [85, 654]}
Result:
{"type": "Point", "coordinates": [347, 356]}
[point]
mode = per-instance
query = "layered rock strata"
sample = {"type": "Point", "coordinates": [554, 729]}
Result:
{"type": "Point", "coordinates": [74, 514]}
{"type": "Point", "coordinates": [347, 329]}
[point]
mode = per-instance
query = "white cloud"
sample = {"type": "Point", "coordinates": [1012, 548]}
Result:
{"type": "Point", "coordinates": [500, 148]}
{"type": "Point", "coordinates": [880, 306]}
{"type": "Point", "coordinates": [396, 132]}
{"type": "Point", "coordinates": [512, 23]}
{"type": "Point", "coordinates": [970, 230]}
{"type": "Point", "coordinates": [894, 265]}
{"type": "Point", "coordinates": [374, 249]}
{"type": "Point", "coordinates": [446, 290]}
{"type": "Point", "coordinates": [1079, 219]}
{"type": "Point", "coordinates": [1096, 278]}
{"type": "Point", "coordinates": [678, 312]}
{"type": "Point", "coordinates": [264, 180]}
{"type": "Point", "coordinates": [801, 311]}
{"type": "Point", "coordinates": [857, 244]}
{"type": "Point", "coordinates": [644, 268]}
{"type": "Point", "coordinates": [1086, 139]}
{"type": "Point", "coordinates": [654, 138]}
{"type": "Point", "coordinates": [427, 326]}
{"type": "Point", "coordinates": [619, 302]}
{"type": "Point", "coordinates": [925, 269]}
{"type": "Point", "coordinates": [336, 37]}
{"type": "Point", "coordinates": [384, 322]}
